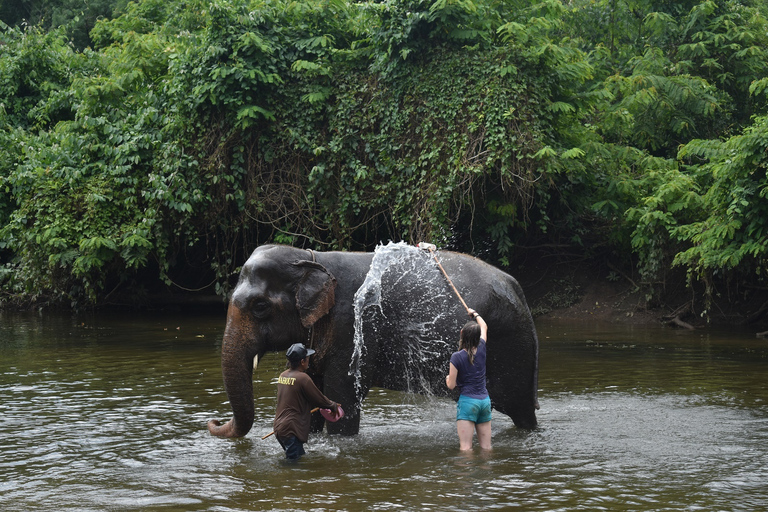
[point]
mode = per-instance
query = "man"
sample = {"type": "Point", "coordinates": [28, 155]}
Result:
{"type": "Point", "coordinates": [296, 396]}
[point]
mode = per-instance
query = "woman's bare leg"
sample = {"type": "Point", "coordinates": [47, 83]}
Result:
{"type": "Point", "coordinates": [466, 429]}
{"type": "Point", "coordinates": [484, 435]}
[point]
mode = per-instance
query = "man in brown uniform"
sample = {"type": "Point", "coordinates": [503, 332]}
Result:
{"type": "Point", "coordinates": [296, 396]}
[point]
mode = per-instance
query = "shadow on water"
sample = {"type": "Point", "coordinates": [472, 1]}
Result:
{"type": "Point", "coordinates": [109, 414]}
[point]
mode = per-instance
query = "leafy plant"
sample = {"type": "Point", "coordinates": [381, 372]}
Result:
{"type": "Point", "coordinates": [194, 131]}
{"type": "Point", "coordinates": [732, 236]}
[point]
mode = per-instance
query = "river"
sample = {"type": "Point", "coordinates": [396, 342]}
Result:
{"type": "Point", "coordinates": [109, 413]}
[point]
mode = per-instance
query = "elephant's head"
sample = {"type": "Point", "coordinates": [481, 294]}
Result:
{"type": "Point", "coordinates": [281, 293]}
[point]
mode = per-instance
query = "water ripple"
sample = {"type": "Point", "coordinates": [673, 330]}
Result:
{"type": "Point", "coordinates": [117, 422]}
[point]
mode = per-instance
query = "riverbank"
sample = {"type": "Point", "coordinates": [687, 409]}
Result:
{"type": "Point", "coordinates": [584, 290]}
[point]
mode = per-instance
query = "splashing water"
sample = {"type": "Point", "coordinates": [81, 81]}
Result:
{"type": "Point", "coordinates": [406, 311]}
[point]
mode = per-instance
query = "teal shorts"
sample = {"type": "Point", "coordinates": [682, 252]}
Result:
{"type": "Point", "coordinates": [472, 409]}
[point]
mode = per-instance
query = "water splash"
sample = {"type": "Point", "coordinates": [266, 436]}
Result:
{"type": "Point", "coordinates": [406, 313]}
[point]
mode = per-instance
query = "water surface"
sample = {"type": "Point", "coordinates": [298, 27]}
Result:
{"type": "Point", "coordinates": [109, 413]}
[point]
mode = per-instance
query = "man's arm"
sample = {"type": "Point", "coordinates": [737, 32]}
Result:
{"type": "Point", "coordinates": [316, 398]}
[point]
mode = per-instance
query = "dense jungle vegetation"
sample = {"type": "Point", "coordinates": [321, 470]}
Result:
{"type": "Point", "coordinates": [158, 142]}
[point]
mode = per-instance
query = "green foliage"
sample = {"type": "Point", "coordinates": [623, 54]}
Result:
{"type": "Point", "coordinates": [651, 109]}
{"type": "Point", "coordinates": [34, 69]}
{"type": "Point", "coordinates": [732, 235]}
{"type": "Point", "coordinates": [710, 220]}
{"type": "Point", "coordinates": [726, 45]}
{"type": "Point", "coordinates": [406, 29]}
{"type": "Point", "coordinates": [668, 197]}
{"type": "Point", "coordinates": [676, 71]}
{"type": "Point", "coordinates": [76, 18]}
{"type": "Point", "coordinates": [684, 77]}
{"type": "Point", "coordinates": [83, 191]}
{"type": "Point", "coordinates": [422, 178]}
{"type": "Point", "coordinates": [194, 131]}
{"type": "Point", "coordinates": [147, 17]}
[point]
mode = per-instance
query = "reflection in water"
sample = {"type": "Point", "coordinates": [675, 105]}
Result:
{"type": "Point", "coordinates": [110, 414]}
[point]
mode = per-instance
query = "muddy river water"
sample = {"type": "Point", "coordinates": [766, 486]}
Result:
{"type": "Point", "coordinates": [109, 413]}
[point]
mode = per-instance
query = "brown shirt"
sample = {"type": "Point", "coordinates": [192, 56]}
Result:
{"type": "Point", "coordinates": [296, 396]}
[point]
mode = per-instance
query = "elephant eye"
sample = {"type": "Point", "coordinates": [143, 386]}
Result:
{"type": "Point", "coordinates": [260, 307]}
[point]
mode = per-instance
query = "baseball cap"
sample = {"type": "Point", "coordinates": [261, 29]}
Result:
{"type": "Point", "coordinates": [298, 351]}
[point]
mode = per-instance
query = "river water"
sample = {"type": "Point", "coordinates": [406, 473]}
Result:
{"type": "Point", "coordinates": [110, 412]}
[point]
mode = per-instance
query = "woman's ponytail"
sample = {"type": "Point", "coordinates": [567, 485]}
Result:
{"type": "Point", "coordinates": [469, 339]}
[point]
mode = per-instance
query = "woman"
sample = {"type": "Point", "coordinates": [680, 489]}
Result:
{"type": "Point", "coordinates": [467, 371]}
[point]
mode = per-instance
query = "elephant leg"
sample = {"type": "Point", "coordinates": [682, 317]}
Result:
{"type": "Point", "coordinates": [317, 421]}
{"type": "Point", "coordinates": [523, 414]}
{"type": "Point", "coordinates": [524, 417]}
{"type": "Point", "coordinates": [515, 400]}
{"type": "Point", "coordinates": [340, 387]}
{"type": "Point", "coordinates": [512, 381]}
{"type": "Point", "coordinates": [349, 425]}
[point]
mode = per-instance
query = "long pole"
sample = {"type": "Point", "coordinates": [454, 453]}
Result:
{"type": "Point", "coordinates": [431, 249]}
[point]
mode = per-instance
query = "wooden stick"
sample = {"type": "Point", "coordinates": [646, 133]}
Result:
{"type": "Point", "coordinates": [432, 251]}
{"type": "Point", "coordinates": [310, 412]}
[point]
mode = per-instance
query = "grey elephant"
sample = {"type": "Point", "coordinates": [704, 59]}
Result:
{"type": "Point", "coordinates": [386, 319]}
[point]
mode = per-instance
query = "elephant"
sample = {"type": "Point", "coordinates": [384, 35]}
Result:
{"type": "Point", "coordinates": [386, 319]}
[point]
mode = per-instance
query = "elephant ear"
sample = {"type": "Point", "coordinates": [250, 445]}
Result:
{"type": "Point", "coordinates": [315, 293]}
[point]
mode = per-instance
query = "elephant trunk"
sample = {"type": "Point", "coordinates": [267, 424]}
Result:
{"type": "Point", "coordinates": [237, 361]}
